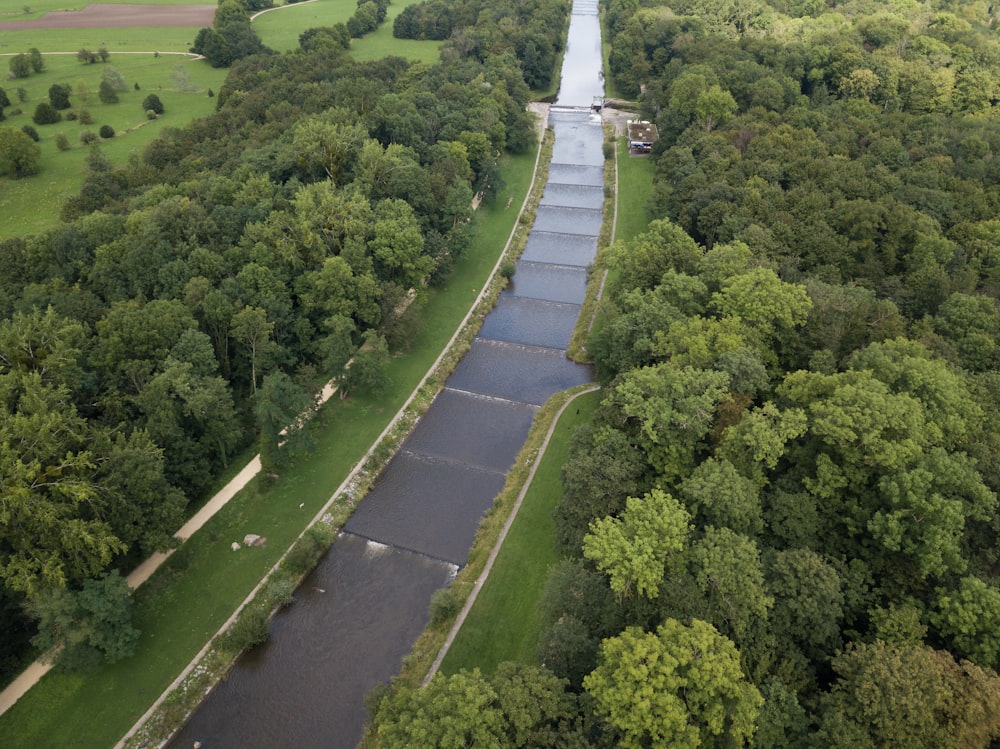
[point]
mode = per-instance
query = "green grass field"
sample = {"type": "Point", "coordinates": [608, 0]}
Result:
{"type": "Point", "coordinates": [635, 184]}
{"type": "Point", "coordinates": [187, 600]}
{"type": "Point", "coordinates": [31, 204]}
{"type": "Point", "coordinates": [503, 625]}
{"type": "Point", "coordinates": [280, 30]}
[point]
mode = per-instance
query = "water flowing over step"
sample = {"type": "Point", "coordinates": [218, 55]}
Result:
{"type": "Point", "coordinates": [359, 612]}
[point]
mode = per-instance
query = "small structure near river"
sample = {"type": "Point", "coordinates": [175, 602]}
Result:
{"type": "Point", "coordinates": [641, 136]}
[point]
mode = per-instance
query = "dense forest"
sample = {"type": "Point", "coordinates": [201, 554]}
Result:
{"type": "Point", "coordinates": [781, 527]}
{"type": "Point", "coordinates": [195, 299]}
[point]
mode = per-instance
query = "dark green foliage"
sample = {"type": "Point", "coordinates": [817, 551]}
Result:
{"type": "Point", "coordinates": [30, 132]}
{"type": "Point", "coordinates": [93, 624]}
{"type": "Point", "coordinates": [36, 60]}
{"type": "Point", "coordinates": [107, 131]}
{"type": "Point", "coordinates": [45, 114]}
{"type": "Point", "coordinates": [106, 93]}
{"type": "Point", "coordinates": [20, 66]}
{"type": "Point", "coordinates": [152, 103]}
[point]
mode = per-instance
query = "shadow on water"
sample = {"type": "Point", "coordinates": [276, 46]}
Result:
{"type": "Point", "coordinates": [359, 612]}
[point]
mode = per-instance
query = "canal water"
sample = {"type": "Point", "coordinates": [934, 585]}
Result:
{"type": "Point", "coordinates": [359, 612]}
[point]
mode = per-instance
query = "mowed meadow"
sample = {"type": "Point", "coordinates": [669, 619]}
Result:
{"type": "Point", "coordinates": [157, 60]}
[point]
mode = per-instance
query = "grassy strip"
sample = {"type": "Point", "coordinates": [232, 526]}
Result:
{"type": "Point", "coordinates": [32, 204]}
{"type": "Point", "coordinates": [635, 186]}
{"type": "Point", "coordinates": [141, 39]}
{"type": "Point", "coordinates": [418, 662]}
{"type": "Point", "coordinates": [195, 592]}
{"type": "Point", "coordinates": [577, 348]}
{"type": "Point", "coordinates": [628, 183]}
{"type": "Point", "coordinates": [504, 624]}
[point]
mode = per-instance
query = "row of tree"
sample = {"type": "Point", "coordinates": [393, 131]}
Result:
{"type": "Point", "coordinates": [781, 527]}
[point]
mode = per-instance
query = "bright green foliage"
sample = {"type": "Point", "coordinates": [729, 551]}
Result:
{"type": "Point", "coordinates": [763, 302]}
{"type": "Point", "coordinates": [633, 549]}
{"type": "Point", "coordinates": [398, 245]}
{"type": "Point", "coordinates": [451, 713]}
{"type": "Point", "coordinates": [19, 154]}
{"type": "Point", "coordinates": [970, 618]}
{"type": "Point", "coordinates": [664, 246]}
{"type": "Point", "coordinates": [93, 624]}
{"type": "Point", "coordinates": [761, 437]}
{"type": "Point", "coordinates": [671, 410]}
{"type": "Point", "coordinates": [680, 687]}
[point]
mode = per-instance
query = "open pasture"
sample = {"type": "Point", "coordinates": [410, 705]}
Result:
{"type": "Point", "coordinates": [280, 29]}
{"type": "Point", "coordinates": [31, 204]}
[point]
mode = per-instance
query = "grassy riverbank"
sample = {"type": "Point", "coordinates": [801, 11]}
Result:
{"type": "Point", "coordinates": [190, 597]}
{"type": "Point", "coordinates": [509, 597]}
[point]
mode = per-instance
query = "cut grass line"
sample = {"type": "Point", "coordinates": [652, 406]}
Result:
{"type": "Point", "coordinates": [481, 580]}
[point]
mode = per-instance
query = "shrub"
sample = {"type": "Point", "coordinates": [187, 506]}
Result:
{"type": "Point", "coordinates": [107, 131]}
{"type": "Point", "coordinates": [251, 628]}
{"type": "Point", "coordinates": [444, 606]}
{"type": "Point", "coordinates": [87, 137]}
{"type": "Point", "coordinates": [150, 114]}
{"type": "Point", "coordinates": [85, 117]}
{"type": "Point", "coordinates": [153, 102]}
{"type": "Point", "coordinates": [106, 92]}
{"type": "Point", "coordinates": [62, 142]}
{"type": "Point", "coordinates": [45, 114]}
{"type": "Point", "coordinates": [59, 95]}
{"type": "Point", "coordinates": [30, 132]}
{"type": "Point", "coordinates": [71, 116]}
{"type": "Point", "coordinates": [507, 269]}
{"type": "Point", "coordinates": [20, 66]}
{"type": "Point", "coordinates": [211, 93]}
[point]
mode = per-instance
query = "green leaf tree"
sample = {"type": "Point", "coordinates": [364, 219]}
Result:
{"type": "Point", "coordinates": [680, 687]}
{"type": "Point", "coordinates": [19, 154]}
{"type": "Point", "coordinates": [87, 626]}
{"type": "Point", "coordinates": [633, 549]}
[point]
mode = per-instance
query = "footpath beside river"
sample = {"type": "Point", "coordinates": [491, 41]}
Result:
{"type": "Point", "coordinates": [359, 612]}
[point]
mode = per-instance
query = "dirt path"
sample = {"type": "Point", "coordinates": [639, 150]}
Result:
{"type": "Point", "coordinates": [104, 15]}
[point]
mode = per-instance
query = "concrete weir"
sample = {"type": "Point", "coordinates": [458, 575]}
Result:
{"type": "Point", "coordinates": [360, 611]}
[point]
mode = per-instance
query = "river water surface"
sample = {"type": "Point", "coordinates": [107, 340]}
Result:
{"type": "Point", "coordinates": [359, 612]}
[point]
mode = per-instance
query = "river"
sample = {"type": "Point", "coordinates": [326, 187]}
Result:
{"type": "Point", "coordinates": [359, 612]}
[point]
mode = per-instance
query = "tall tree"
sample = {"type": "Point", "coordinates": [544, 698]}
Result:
{"type": "Point", "coordinates": [681, 686]}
